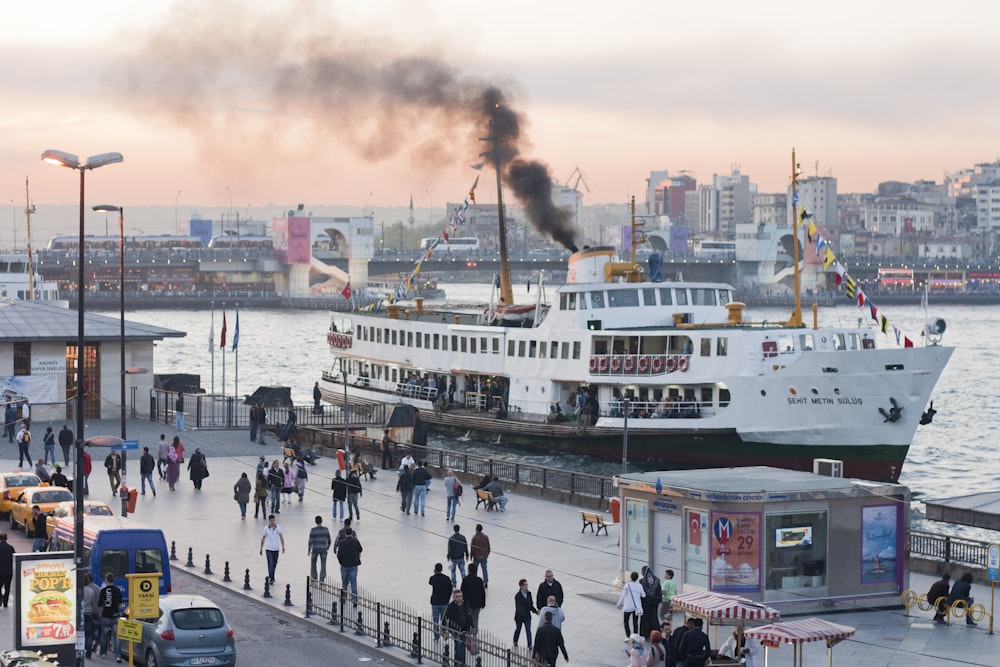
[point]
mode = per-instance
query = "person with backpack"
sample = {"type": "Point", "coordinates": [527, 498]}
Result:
{"type": "Point", "coordinates": [458, 553]}
{"type": "Point", "coordinates": [49, 443]}
{"type": "Point", "coordinates": [453, 491]}
{"type": "Point", "coordinates": [23, 439]}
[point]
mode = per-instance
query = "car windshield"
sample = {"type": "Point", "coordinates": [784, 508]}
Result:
{"type": "Point", "coordinates": [21, 480]}
{"type": "Point", "coordinates": [56, 496]}
{"type": "Point", "coordinates": [99, 510]}
{"type": "Point", "coordinates": [198, 619]}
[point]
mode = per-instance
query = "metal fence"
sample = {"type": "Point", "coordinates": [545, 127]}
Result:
{"type": "Point", "coordinates": [948, 549]}
{"type": "Point", "coordinates": [393, 624]}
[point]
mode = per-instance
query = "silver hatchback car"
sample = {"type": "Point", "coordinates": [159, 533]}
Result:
{"type": "Point", "coordinates": [191, 630]}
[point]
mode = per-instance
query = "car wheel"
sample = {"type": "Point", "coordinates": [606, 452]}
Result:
{"type": "Point", "coordinates": [150, 658]}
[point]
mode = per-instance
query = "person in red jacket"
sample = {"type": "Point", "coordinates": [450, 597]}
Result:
{"type": "Point", "coordinates": [86, 473]}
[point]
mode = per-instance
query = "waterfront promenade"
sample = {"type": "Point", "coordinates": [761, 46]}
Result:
{"type": "Point", "coordinates": [400, 551]}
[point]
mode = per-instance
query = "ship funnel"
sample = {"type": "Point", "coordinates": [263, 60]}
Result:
{"type": "Point", "coordinates": [588, 265]}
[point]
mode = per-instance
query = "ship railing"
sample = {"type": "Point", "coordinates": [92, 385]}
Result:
{"type": "Point", "coordinates": [418, 391]}
{"type": "Point", "coordinates": [660, 409]}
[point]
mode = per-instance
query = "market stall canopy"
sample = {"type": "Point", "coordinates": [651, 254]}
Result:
{"type": "Point", "coordinates": [801, 631]}
{"type": "Point", "coordinates": [724, 609]}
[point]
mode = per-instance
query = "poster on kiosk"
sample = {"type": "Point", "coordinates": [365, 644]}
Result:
{"type": "Point", "coordinates": [45, 591]}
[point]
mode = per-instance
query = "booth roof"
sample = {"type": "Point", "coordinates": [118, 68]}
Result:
{"type": "Point", "coordinates": [753, 479]}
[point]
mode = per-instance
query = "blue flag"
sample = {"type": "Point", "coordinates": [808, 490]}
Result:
{"type": "Point", "coordinates": [236, 335]}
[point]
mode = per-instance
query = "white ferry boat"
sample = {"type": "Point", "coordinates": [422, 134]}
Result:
{"type": "Point", "coordinates": [16, 280]}
{"type": "Point", "coordinates": [671, 371]}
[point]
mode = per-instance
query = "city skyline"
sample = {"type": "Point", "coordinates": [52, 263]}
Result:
{"type": "Point", "coordinates": [242, 104]}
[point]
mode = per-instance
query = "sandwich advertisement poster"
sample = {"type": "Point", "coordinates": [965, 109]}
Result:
{"type": "Point", "coordinates": [46, 596]}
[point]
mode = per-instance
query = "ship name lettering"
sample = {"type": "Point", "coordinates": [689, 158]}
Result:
{"type": "Point", "coordinates": [850, 400]}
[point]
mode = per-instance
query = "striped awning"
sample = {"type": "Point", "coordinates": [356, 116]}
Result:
{"type": "Point", "coordinates": [801, 631]}
{"type": "Point", "coordinates": [730, 609]}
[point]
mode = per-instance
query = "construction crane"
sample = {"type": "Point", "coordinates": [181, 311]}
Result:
{"type": "Point", "coordinates": [579, 179]}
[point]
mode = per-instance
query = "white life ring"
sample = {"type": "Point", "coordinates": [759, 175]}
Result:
{"type": "Point", "coordinates": [489, 316]}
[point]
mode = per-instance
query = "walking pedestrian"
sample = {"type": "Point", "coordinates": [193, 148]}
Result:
{"type": "Point", "coordinates": [271, 540]}
{"type": "Point", "coordinates": [524, 607]}
{"type": "Point", "coordinates": [348, 552]}
{"type": "Point", "coordinates": [23, 440]}
{"type": "Point", "coordinates": [87, 468]}
{"type": "Point", "coordinates": [630, 602]}
{"type": "Point", "coordinates": [441, 588]}
{"type": "Point", "coordinates": [479, 551]}
{"type": "Point", "coordinates": [404, 485]}
{"type": "Point", "coordinates": [637, 651]}
{"type": "Point", "coordinates": [6, 569]}
{"type": "Point", "coordinates": [241, 494]}
{"type": "Point", "coordinates": [65, 442]}
{"type": "Point", "coordinates": [939, 590]}
{"type": "Point", "coordinates": [458, 552]}
{"type": "Point", "coordinates": [260, 492]}
{"type": "Point", "coordinates": [146, 467]}
{"type": "Point", "coordinates": [653, 589]}
{"type": "Point", "coordinates": [110, 602]}
{"type": "Point", "coordinates": [451, 504]}
{"type": "Point", "coordinates": [343, 533]}
{"type": "Point", "coordinates": [319, 545]}
{"type": "Point", "coordinates": [549, 642]}
{"type": "Point", "coordinates": [354, 492]}
{"type": "Point", "coordinates": [113, 464]}
{"type": "Point", "coordinates": [275, 480]}
{"type": "Point", "coordinates": [173, 464]}
{"type": "Point", "coordinates": [10, 422]}
{"type": "Point", "coordinates": [668, 593]}
{"type": "Point", "coordinates": [49, 445]}
{"type": "Point", "coordinates": [162, 449]}
{"type": "Point", "coordinates": [339, 487]}
{"type": "Point", "coordinates": [421, 477]}
{"type": "Point", "coordinates": [287, 484]}
{"type": "Point", "coordinates": [549, 586]}
{"type": "Point", "coordinates": [91, 618]}
{"type": "Point", "coordinates": [695, 648]}
{"type": "Point", "coordinates": [197, 468]}
{"type": "Point", "coordinates": [26, 414]}
{"type": "Point", "coordinates": [179, 412]}
{"type": "Point", "coordinates": [474, 592]}
{"type": "Point", "coordinates": [458, 619]}
{"type": "Point", "coordinates": [317, 396]}
{"type": "Point", "coordinates": [301, 476]}
{"type": "Point", "coordinates": [386, 448]}
{"type": "Point", "coordinates": [37, 528]}
{"type": "Point", "coordinates": [552, 607]}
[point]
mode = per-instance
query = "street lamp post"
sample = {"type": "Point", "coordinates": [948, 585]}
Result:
{"type": "Point", "coordinates": [347, 432]}
{"type": "Point", "coordinates": [71, 161]}
{"type": "Point", "coordinates": [628, 407]}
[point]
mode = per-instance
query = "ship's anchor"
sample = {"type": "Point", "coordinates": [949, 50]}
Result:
{"type": "Point", "coordinates": [928, 416]}
{"type": "Point", "coordinates": [892, 414]}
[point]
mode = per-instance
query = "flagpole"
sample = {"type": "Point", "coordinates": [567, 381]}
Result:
{"type": "Point", "coordinates": [211, 351]}
{"type": "Point", "coordinates": [223, 350]}
{"type": "Point", "coordinates": [236, 352]}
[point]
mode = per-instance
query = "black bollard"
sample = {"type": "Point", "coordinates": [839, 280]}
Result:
{"type": "Point", "coordinates": [208, 564]}
{"type": "Point", "coordinates": [415, 651]}
{"type": "Point", "coordinates": [309, 600]}
{"type": "Point", "coordinates": [173, 550]}
{"type": "Point", "coordinates": [190, 562]}
{"type": "Point", "coordinates": [267, 587]}
{"type": "Point", "coordinates": [360, 629]}
{"type": "Point", "coordinates": [288, 595]}
{"type": "Point", "coordinates": [333, 613]}
{"type": "Point", "coordinates": [246, 581]}
{"type": "Point", "coordinates": [386, 641]}
{"type": "Point", "coordinates": [479, 661]}
{"type": "Point", "coordinates": [447, 652]}
{"type": "Point", "coordinates": [225, 574]}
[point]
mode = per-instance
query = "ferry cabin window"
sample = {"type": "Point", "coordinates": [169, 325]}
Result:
{"type": "Point", "coordinates": [721, 346]}
{"type": "Point", "coordinates": [510, 348]}
{"type": "Point", "coordinates": [723, 297]}
{"type": "Point", "coordinates": [420, 340]}
{"type": "Point", "coordinates": [702, 297]}
{"type": "Point", "coordinates": [482, 345]}
{"type": "Point", "coordinates": [533, 349]}
{"type": "Point", "coordinates": [706, 397]}
{"type": "Point", "coordinates": [682, 297]}
{"type": "Point", "coordinates": [454, 343]}
{"type": "Point", "coordinates": [554, 350]}
{"type": "Point", "coordinates": [854, 339]}
{"type": "Point", "coordinates": [649, 297]}
{"type": "Point", "coordinates": [437, 341]}
{"type": "Point", "coordinates": [665, 296]}
{"type": "Point", "coordinates": [465, 344]}
{"type": "Point", "coordinates": [565, 351]}
{"type": "Point", "coordinates": [838, 341]}
{"type": "Point", "coordinates": [496, 346]}
{"type": "Point", "coordinates": [393, 337]}
{"type": "Point", "coordinates": [706, 347]}
{"type": "Point", "coordinates": [806, 342]}
{"type": "Point", "coordinates": [409, 339]}
{"type": "Point", "coordinates": [567, 301]}
{"type": "Point", "coordinates": [623, 298]}
{"type": "Point", "coordinates": [576, 350]}
{"type": "Point", "coordinates": [520, 348]}
{"type": "Point", "coordinates": [582, 301]}
{"type": "Point", "coordinates": [472, 345]}
{"type": "Point", "coordinates": [723, 397]}
{"type": "Point", "coordinates": [785, 344]}
{"type": "Point", "coordinates": [427, 341]}
{"type": "Point", "coordinates": [597, 299]}
{"type": "Point", "coordinates": [541, 350]}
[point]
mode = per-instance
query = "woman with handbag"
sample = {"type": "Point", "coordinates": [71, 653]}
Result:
{"type": "Point", "coordinates": [630, 603]}
{"type": "Point", "coordinates": [241, 494]}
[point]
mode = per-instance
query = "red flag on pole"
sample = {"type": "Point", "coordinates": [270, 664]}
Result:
{"type": "Point", "coordinates": [346, 292]}
{"type": "Point", "coordinates": [222, 345]}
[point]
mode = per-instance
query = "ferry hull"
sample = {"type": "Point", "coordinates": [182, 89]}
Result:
{"type": "Point", "coordinates": [674, 449]}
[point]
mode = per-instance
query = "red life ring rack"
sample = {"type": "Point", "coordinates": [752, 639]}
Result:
{"type": "Point", "coordinates": [682, 364]}
{"type": "Point", "coordinates": [630, 364]}
{"type": "Point", "coordinates": [593, 364]}
{"type": "Point", "coordinates": [616, 364]}
{"type": "Point", "coordinates": [602, 363]}
{"type": "Point", "coordinates": [644, 364]}
{"type": "Point", "coordinates": [671, 364]}
{"type": "Point", "coordinates": [657, 364]}
{"type": "Point", "coordinates": [770, 348]}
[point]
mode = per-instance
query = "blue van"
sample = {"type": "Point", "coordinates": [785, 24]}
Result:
{"type": "Point", "coordinates": [121, 546]}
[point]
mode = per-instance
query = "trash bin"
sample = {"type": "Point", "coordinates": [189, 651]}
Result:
{"type": "Point", "coordinates": [133, 495]}
{"type": "Point", "coordinates": [616, 510]}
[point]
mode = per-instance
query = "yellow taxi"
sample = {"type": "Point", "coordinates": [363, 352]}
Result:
{"type": "Point", "coordinates": [66, 510]}
{"type": "Point", "coordinates": [11, 485]}
{"type": "Point", "coordinates": [46, 497]}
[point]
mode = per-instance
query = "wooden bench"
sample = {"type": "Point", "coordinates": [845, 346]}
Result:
{"type": "Point", "coordinates": [593, 519]}
{"type": "Point", "coordinates": [484, 497]}
{"type": "Point", "coordinates": [360, 469]}
{"type": "Point", "coordinates": [289, 455]}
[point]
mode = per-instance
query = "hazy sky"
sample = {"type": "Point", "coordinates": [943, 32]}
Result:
{"type": "Point", "coordinates": [327, 101]}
